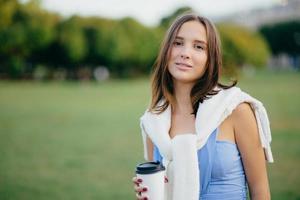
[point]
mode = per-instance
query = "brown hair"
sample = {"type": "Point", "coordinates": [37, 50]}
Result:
{"type": "Point", "coordinates": [162, 84]}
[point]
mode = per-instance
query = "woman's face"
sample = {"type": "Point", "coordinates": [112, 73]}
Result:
{"type": "Point", "coordinates": [188, 53]}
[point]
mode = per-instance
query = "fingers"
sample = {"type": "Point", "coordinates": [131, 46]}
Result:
{"type": "Point", "coordinates": [136, 180]}
{"type": "Point", "coordinates": [139, 192]}
{"type": "Point", "coordinates": [166, 179]}
{"type": "Point", "coordinates": [140, 189]}
{"type": "Point", "coordinates": [139, 197]}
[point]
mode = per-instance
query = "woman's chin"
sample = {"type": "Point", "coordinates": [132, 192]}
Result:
{"type": "Point", "coordinates": [184, 79]}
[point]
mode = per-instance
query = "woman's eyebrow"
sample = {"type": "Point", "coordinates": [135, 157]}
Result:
{"type": "Point", "coordinates": [201, 41]}
{"type": "Point", "coordinates": [180, 38]}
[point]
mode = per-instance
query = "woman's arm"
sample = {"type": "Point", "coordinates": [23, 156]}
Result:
{"type": "Point", "coordinates": [252, 153]}
{"type": "Point", "coordinates": [149, 147]}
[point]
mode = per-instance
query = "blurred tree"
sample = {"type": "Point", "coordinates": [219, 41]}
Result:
{"type": "Point", "coordinates": [7, 10]}
{"type": "Point", "coordinates": [166, 21]}
{"type": "Point", "coordinates": [31, 36]}
{"type": "Point", "coordinates": [283, 37]}
{"type": "Point", "coordinates": [27, 30]}
{"type": "Point", "coordinates": [98, 34]}
{"type": "Point", "coordinates": [242, 47]}
{"type": "Point", "coordinates": [134, 47]}
{"type": "Point", "coordinates": [41, 33]}
{"type": "Point", "coordinates": [125, 46]}
{"type": "Point", "coordinates": [72, 46]}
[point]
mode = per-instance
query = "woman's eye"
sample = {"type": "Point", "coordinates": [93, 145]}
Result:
{"type": "Point", "coordinates": [199, 47]}
{"type": "Point", "coordinates": [176, 43]}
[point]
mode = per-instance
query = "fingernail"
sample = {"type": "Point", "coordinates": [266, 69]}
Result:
{"type": "Point", "coordinates": [144, 190]}
{"type": "Point", "coordinates": [140, 180]}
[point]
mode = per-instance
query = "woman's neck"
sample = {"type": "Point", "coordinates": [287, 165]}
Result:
{"type": "Point", "coordinates": [183, 104]}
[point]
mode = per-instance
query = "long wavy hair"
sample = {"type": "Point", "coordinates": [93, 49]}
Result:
{"type": "Point", "coordinates": [204, 88]}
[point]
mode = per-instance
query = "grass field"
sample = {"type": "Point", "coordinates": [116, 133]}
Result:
{"type": "Point", "coordinates": [82, 140]}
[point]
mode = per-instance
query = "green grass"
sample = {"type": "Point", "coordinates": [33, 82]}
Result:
{"type": "Point", "coordinates": [82, 140]}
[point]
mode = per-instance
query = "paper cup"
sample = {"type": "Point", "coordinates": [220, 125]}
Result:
{"type": "Point", "coordinates": [153, 176]}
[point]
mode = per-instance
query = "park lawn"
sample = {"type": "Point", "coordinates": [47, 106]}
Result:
{"type": "Point", "coordinates": [67, 140]}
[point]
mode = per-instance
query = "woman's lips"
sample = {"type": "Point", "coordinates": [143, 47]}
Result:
{"type": "Point", "coordinates": [183, 66]}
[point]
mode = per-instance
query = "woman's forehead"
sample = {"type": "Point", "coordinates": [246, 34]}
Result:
{"type": "Point", "coordinates": [192, 30]}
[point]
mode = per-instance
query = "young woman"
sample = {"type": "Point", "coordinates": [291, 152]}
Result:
{"type": "Point", "coordinates": [194, 120]}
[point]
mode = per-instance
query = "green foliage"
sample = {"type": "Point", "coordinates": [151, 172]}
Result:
{"type": "Point", "coordinates": [16, 68]}
{"type": "Point", "coordinates": [13, 41]}
{"type": "Point", "coordinates": [166, 21]}
{"type": "Point", "coordinates": [71, 41]}
{"type": "Point", "coordinates": [134, 47]}
{"type": "Point", "coordinates": [7, 10]}
{"type": "Point", "coordinates": [283, 37]}
{"type": "Point", "coordinates": [25, 30]}
{"type": "Point", "coordinates": [242, 47]}
{"type": "Point", "coordinates": [125, 46]}
{"type": "Point", "coordinates": [38, 25]}
{"type": "Point", "coordinates": [31, 36]}
{"type": "Point", "coordinates": [98, 34]}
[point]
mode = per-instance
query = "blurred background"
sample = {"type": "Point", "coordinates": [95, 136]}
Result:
{"type": "Point", "coordinates": [74, 80]}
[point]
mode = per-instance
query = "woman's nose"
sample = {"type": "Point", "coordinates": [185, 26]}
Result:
{"type": "Point", "coordinates": [185, 56]}
{"type": "Point", "coordinates": [185, 53]}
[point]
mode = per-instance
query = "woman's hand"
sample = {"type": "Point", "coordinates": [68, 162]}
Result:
{"type": "Point", "coordinates": [139, 190]}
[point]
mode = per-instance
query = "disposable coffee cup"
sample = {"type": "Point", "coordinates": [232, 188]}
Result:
{"type": "Point", "coordinates": [153, 176]}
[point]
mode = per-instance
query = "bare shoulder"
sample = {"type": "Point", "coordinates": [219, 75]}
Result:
{"type": "Point", "coordinates": [245, 125]}
{"type": "Point", "coordinates": [243, 109]}
{"type": "Point", "coordinates": [243, 113]}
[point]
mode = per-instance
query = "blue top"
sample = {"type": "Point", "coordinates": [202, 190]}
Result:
{"type": "Point", "coordinates": [222, 174]}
